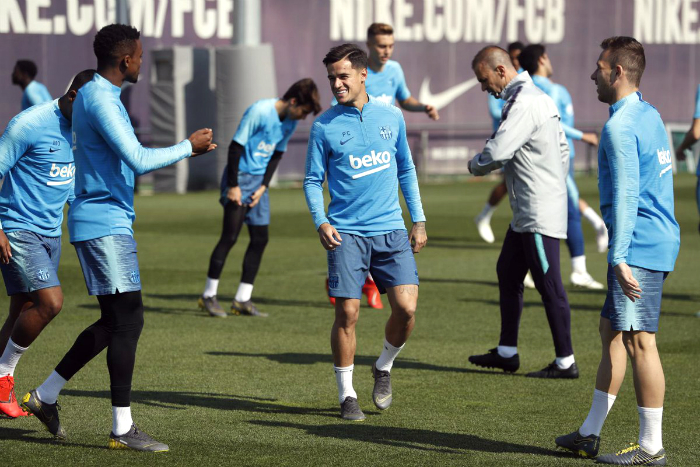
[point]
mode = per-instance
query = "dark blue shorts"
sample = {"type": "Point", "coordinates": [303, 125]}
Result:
{"type": "Point", "coordinates": [34, 262]}
{"type": "Point", "coordinates": [643, 313]}
{"type": "Point", "coordinates": [260, 214]}
{"type": "Point", "coordinates": [388, 257]}
{"type": "Point", "coordinates": [109, 264]}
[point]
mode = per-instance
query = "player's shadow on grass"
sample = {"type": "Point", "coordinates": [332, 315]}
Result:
{"type": "Point", "coordinates": [258, 301]}
{"type": "Point", "coordinates": [411, 438]}
{"type": "Point", "coordinates": [176, 400]}
{"type": "Point", "coordinates": [313, 358]}
{"type": "Point", "coordinates": [155, 309]}
{"type": "Point", "coordinates": [30, 436]}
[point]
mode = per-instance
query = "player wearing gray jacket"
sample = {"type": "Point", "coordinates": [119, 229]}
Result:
{"type": "Point", "coordinates": [531, 146]}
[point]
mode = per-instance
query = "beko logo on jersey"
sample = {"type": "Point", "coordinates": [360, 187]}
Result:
{"type": "Point", "coordinates": [378, 160]}
{"type": "Point", "coordinates": [66, 171]}
{"type": "Point", "coordinates": [664, 156]}
{"type": "Point", "coordinates": [264, 150]}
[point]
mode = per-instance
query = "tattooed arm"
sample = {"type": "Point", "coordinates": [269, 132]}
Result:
{"type": "Point", "coordinates": [418, 237]}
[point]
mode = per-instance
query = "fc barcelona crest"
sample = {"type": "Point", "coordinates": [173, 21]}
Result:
{"type": "Point", "coordinates": [43, 275]}
{"type": "Point", "coordinates": [385, 132]}
{"type": "Point", "coordinates": [135, 277]}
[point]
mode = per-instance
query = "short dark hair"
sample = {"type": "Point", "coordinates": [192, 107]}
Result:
{"type": "Point", "coordinates": [379, 29]}
{"type": "Point", "coordinates": [306, 94]}
{"type": "Point", "coordinates": [27, 67]}
{"type": "Point", "coordinates": [628, 53]}
{"type": "Point", "coordinates": [493, 56]}
{"type": "Point", "coordinates": [81, 78]}
{"type": "Point", "coordinates": [517, 45]}
{"type": "Point", "coordinates": [114, 41]}
{"type": "Point", "coordinates": [529, 58]}
{"type": "Point", "coordinates": [351, 52]}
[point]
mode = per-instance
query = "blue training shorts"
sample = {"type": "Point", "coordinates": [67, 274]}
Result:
{"type": "Point", "coordinates": [388, 257]}
{"type": "Point", "coordinates": [34, 262]}
{"type": "Point", "coordinates": [643, 313]}
{"type": "Point", "coordinates": [109, 264]}
{"type": "Point", "coordinates": [260, 214]}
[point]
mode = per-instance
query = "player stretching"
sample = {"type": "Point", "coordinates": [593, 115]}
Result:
{"type": "Point", "coordinates": [33, 91]}
{"type": "Point", "coordinates": [535, 61]}
{"type": "Point", "coordinates": [360, 146]}
{"type": "Point", "coordinates": [253, 156]}
{"type": "Point", "coordinates": [636, 198]}
{"type": "Point", "coordinates": [107, 155]}
{"type": "Point", "coordinates": [532, 147]}
{"type": "Point", "coordinates": [37, 161]}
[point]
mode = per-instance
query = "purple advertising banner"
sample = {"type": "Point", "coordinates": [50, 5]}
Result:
{"type": "Point", "coordinates": [435, 43]}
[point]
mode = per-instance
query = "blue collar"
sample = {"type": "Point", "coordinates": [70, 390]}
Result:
{"type": "Point", "coordinates": [351, 109]}
{"type": "Point", "coordinates": [104, 83]}
{"type": "Point", "coordinates": [634, 97]}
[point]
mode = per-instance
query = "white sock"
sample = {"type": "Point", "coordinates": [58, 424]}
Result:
{"type": "Point", "coordinates": [343, 376]}
{"type": "Point", "coordinates": [121, 420]}
{"type": "Point", "coordinates": [49, 389]}
{"type": "Point", "coordinates": [10, 357]}
{"type": "Point", "coordinates": [507, 351]}
{"type": "Point", "coordinates": [564, 362]}
{"type": "Point", "coordinates": [386, 359]}
{"type": "Point", "coordinates": [591, 216]}
{"type": "Point", "coordinates": [602, 403]}
{"type": "Point", "coordinates": [578, 264]}
{"type": "Point", "coordinates": [487, 212]}
{"type": "Point", "coordinates": [650, 429]}
{"type": "Point", "coordinates": [210, 288]}
{"type": "Point", "coordinates": [245, 291]}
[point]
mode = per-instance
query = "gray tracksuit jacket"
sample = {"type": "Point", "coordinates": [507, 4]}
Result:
{"type": "Point", "coordinates": [531, 147]}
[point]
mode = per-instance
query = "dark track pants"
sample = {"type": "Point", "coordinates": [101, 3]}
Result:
{"type": "Point", "coordinates": [539, 254]}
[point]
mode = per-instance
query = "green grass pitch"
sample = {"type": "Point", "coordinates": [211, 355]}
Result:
{"type": "Point", "coordinates": [246, 391]}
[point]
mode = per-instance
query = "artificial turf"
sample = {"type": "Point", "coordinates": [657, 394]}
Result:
{"type": "Point", "coordinates": [254, 391]}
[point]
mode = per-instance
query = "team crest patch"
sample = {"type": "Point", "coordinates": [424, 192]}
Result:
{"type": "Point", "coordinates": [135, 277]}
{"type": "Point", "coordinates": [385, 132]}
{"type": "Point", "coordinates": [333, 281]}
{"type": "Point", "coordinates": [43, 275]}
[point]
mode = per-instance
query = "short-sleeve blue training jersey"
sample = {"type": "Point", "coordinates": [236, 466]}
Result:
{"type": "Point", "coordinates": [562, 99]}
{"type": "Point", "coordinates": [107, 154]}
{"type": "Point", "coordinates": [635, 179]}
{"type": "Point", "coordinates": [389, 84]}
{"type": "Point", "coordinates": [37, 163]}
{"type": "Point", "coordinates": [365, 156]}
{"type": "Point", "coordinates": [261, 133]}
{"type": "Point", "coordinates": [35, 93]}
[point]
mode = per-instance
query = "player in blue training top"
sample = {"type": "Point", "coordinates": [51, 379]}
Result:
{"type": "Point", "coordinates": [535, 61]}
{"type": "Point", "coordinates": [33, 91]}
{"type": "Point", "coordinates": [635, 179]}
{"type": "Point", "coordinates": [691, 137]}
{"type": "Point", "coordinates": [107, 155]}
{"type": "Point", "coordinates": [36, 161]}
{"type": "Point", "coordinates": [253, 156]}
{"type": "Point", "coordinates": [360, 147]}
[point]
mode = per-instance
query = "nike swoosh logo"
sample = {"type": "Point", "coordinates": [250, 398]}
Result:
{"type": "Point", "coordinates": [53, 149]}
{"type": "Point", "coordinates": [343, 142]}
{"type": "Point", "coordinates": [383, 399]}
{"type": "Point", "coordinates": [445, 97]}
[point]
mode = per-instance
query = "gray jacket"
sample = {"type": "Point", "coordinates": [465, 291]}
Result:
{"type": "Point", "coordinates": [531, 146]}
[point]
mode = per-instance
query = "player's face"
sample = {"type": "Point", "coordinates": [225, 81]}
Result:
{"type": "Point", "coordinates": [603, 76]}
{"type": "Point", "coordinates": [548, 65]}
{"type": "Point", "coordinates": [381, 48]}
{"type": "Point", "coordinates": [298, 112]}
{"type": "Point", "coordinates": [492, 80]}
{"type": "Point", "coordinates": [347, 83]}
{"type": "Point", "coordinates": [16, 76]}
{"type": "Point", "coordinates": [514, 54]}
{"type": "Point", "coordinates": [134, 66]}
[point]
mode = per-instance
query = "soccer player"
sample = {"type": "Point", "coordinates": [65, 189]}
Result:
{"type": "Point", "coordinates": [34, 92]}
{"type": "Point", "coordinates": [253, 156]}
{"type": "Point", "coordinates": [535, 61]}
{"type": "Point", "coordinates": [531, 146]}
{"type": "Point", "coordinates": [37, 162]}
{"type": "Point", "coordinates": [107, 155]}
{"type": "Point", "coordinates": [691, 137]}
{"type": "Point", "coordinates": [360, 147]}
{"type": "Point", "coordinates": [483, 220]}
{"type": "Point", "coordinates": [635, 179]}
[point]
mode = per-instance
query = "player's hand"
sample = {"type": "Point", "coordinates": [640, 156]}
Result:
{"type": "Point", "coordinates": [257, 194]}
{"type": "Point", "coordinates": [432, 112]}
{"type": "Point", "coordinates": [202, 141]}
{"type": "Point", "coordinates": [590, 138]}
{"type": "Point", "coordinates": [330, 238]}
{"type": "Point", "coordinates": [418, 238]}
{"type": "Point", "coordinates": [234, 194]}
{"type": "Point", "coordinates": [5, 250]}
{"type": "Point", "coordinates": [630, 286]}
{"type": "Point", "coordinates": [680, 154]}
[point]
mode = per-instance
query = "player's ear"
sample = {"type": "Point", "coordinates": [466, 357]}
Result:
{"type": "Point", "coordinates": [72, 94]}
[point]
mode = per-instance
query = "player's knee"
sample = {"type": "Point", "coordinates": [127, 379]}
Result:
{"type": "Point", "coordinates": [639, 342]}
{"type": "Point", "coordinates": [259, 237]}
{"type": "Point", "coordinates": [50, 306]}
{"type": "Point", "coordinates": [347, 313]}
